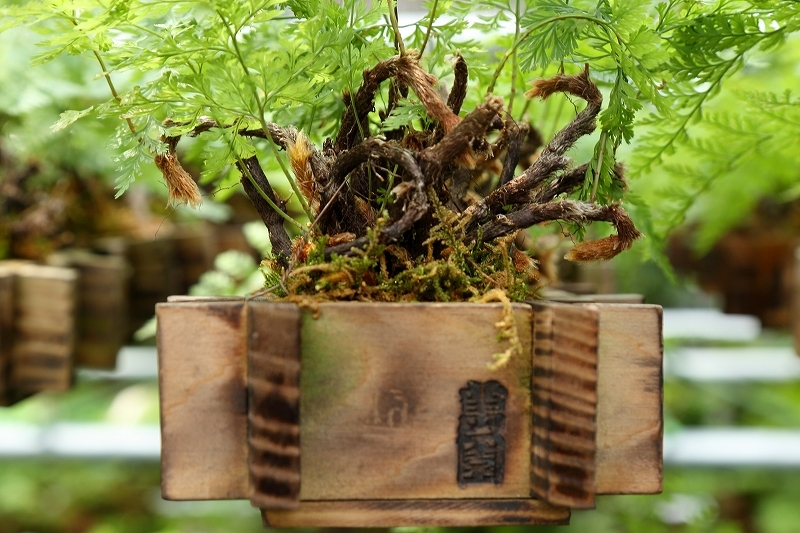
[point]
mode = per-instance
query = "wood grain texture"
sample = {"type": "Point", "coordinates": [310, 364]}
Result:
{"type": "Point", "coordinates": [380, 400]}
{"type": "Point", "coordinates": [44, 328]}
{"type": "Point", "coordinates": [443, 513]}
{"type": "Point", "coordinates": [630, 388]}
{"type": "Point", "coordinates": [202, 358]}
{"type": "Point", "coordinates": [179, 298]}
{"type": "Point", "coordinates": [6, 332]}
{"type": "Point", "coordinates": [102, 305]}
{"type": "Point", "coordinates": [274, 405]}
{"type": "Point", "coordinates": [564, 403]}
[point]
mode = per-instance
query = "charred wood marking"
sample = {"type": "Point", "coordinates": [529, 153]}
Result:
{"type": "Point", "coordinates": [481, 445]}
{"type": "Point", "coordinates": [564, 404]}
{"type": "Point", "coordinates": [390, 408]}
{"type": "Point", "coordinates": [274, 405]}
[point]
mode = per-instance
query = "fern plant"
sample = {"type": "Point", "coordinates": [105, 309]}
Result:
{"type": "Point", "coordinates": [346, 128]}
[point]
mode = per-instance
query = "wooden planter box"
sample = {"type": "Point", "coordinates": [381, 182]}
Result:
{"type": "Point", "coordinates": [750, 270]}
{"type": "Point", "coordinates": [166, 265]}
{"type": "Point", "coordinates": [395, 418]}
{"type": "Point", "coordinates": [102, 305]}
{"type": "Point", "coordinates": [37, 329]}
{"type": "Point", "coordinates": [155, 274]}
{"type": "Point", "coordinates": [54, 317]}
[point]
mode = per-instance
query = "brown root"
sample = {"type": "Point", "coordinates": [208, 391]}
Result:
{"type": "Point", "coordinates": [181, 188]}
{"type": "Point", "coordinates": [393, 219]}
{"type": "Point", "coordinates": [579, 85]}
{"type": "Point", "coordinates": [608, 247]}
{"type": "Point", "coordinates": [520, 190]}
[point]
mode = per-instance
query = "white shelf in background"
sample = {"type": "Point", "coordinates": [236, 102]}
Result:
{"type": "Point", "coordinates": [767, 363]}
{"type": "Point", "coordinates": [709, 324]}
{"type": "Point", "coordinates": [79, 439]}
{"type": "Point", "coordinates": [733, 447]}
{"type": "Point", "coordinates": [133, 362]}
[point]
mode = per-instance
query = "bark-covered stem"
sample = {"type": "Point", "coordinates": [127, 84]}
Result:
{"type": "Point", "coordinates": [516, 138]}
{"type": "Point", "coordinates": [531, 214]}
{"type": "Point", "coordinates": [281, 244]}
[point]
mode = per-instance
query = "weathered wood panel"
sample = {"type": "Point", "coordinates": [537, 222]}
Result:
{"type": "Point", "coordinates": [102, 306]}
{"type": "Point", "coordinates": [6, 331]}
{"type": "Point", "coordinates": [443, 513]}
{"type": "Point", "coordinates": [564, 403]}
{"type": "Point", "coordinates": [44, 328]}
{"type": "Point", "coordinates": [274, 405]}
{"type": "Point", "coordinates": [202, 357]}
{"type": "Point", "coordinates": [381, 403]}
{"type": "Point", "coordinates": [630, 388]}
{"type": "Point", "coordinates": [155, 274]}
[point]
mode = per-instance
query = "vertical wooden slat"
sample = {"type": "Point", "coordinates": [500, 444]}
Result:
{"type": "Point", "coordinates": [202, 360]}
{"type": "Point", "coordinates": [630, 387]}
{"type": "Point", "coordinates": [274, 405]}
{"type": "Point", "coordinates": [564, 400]}
{"type": "Point", "coordinates": [540, 397]}
{"type": "Point", "coordinates": [6, 330]}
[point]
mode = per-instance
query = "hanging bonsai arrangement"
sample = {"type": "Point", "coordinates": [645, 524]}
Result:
{"type": "Point", "coordinates": [404, 163]}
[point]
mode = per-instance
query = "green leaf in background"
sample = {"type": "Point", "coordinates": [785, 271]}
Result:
{"type": "Point", "coordinates": [404, 114]}
{"type": "Point", "coordinates": [238, 265]}
{"type": "Point", "coordinates": [68, 117]}
{"type": "Point", "coordinates": [257, 236]}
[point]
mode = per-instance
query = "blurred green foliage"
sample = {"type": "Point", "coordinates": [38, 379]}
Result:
{"type": "Point", "coordinates": [47, 496]}
{"type": "Point", "coordinates": [30, 104]}
{"type": "Point", "coordinates": [90, 401]}
{"type": "Point", "coordinates": [733, 404]}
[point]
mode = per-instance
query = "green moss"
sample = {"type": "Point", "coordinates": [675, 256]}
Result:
{"type": "Point", "coordinates": [329, 371]}
{"type": "Point", "coordinates": [448, 271]}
